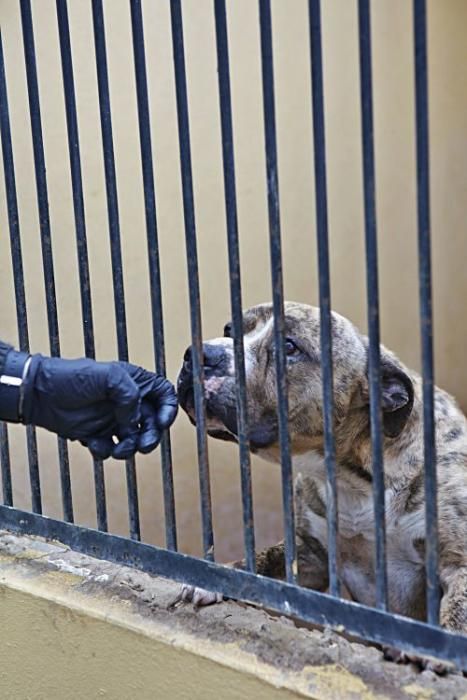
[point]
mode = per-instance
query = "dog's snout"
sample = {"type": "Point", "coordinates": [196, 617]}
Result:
{"type": "Point", "coordinates": [214, 358]}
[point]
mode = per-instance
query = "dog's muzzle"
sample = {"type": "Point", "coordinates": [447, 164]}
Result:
{"type": "Point", "coordinates": [215, 364]}
{"type": "Point", "coordinates": [220, 397]}
{"type": "Point", "coordinates": [220, 402]}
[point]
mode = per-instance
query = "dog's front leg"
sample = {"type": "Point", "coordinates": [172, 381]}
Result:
{"type": "Point", "coordinates": [312, 570]}
{"type": "Point", "coordinates": [453, 612]}
{"type": "Point", "coordinates": [312, 559]}
{"type": "Point", "coordinates": [312, 562]}
{"type": "Point", "coordinates": [269, 562]}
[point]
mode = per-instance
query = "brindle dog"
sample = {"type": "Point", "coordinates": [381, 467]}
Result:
{"type": "Point", "coordinates": [402, 408]}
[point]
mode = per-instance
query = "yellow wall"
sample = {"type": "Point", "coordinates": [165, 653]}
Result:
{"type": "Point", "coordinates": [395, 164]}
{"type": "Point", "coordinates": [73, 655]}
{"type": "Point", "coordinates": [91, 643]}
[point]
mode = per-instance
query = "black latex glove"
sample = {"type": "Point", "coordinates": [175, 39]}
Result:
{"type": "Point", "coordinates": [96, 401]}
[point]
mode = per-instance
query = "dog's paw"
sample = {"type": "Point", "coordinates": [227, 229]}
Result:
{"type": "Point", "coordinates": [198, 596]}
{"type": "Point", "coordinates": [424, 663]}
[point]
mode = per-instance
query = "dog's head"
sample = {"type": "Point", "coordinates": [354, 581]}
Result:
{"type": "Point", "coordinates": [302, 345]}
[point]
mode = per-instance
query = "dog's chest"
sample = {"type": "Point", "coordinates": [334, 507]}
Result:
{"type": "Point", "coordinates": [357, 535]}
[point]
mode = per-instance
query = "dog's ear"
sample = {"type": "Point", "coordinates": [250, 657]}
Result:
{"type": "Point", "coordinates": [397, 396]}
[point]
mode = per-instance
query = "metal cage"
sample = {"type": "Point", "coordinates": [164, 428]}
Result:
{"type": "Point", "coordinates": [375, 624]}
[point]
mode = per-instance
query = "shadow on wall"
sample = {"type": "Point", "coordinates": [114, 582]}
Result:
{"type": "Point", "coordinates": [396, 207]}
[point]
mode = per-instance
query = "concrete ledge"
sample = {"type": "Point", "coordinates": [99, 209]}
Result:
{"type": "Point", "coordinates": [76, 627]}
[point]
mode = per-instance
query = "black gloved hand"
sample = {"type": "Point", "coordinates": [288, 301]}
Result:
{"type": "Point", "coordinates": [96, 401]}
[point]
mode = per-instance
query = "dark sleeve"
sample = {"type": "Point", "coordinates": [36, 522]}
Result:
{"type": "Point", "coordinates": [4, 349]}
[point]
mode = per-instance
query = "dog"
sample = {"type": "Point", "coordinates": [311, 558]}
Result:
{"type": "Point", "coordinates": [402, 425]}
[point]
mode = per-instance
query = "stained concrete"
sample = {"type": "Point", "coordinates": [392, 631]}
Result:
{"type": "Point", "coordinates": [233, 637]}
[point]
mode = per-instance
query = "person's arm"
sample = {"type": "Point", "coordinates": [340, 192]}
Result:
{"type": "Point", "coordinates": [114, 408]}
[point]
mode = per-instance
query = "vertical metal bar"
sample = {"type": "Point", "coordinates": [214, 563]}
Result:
{"type": "Point", "coordinates": [6, 466]}
{"type": "Point", "coordinates": [324, 288]}
{"type": "Point", "coordinates": [46, 241]}
{"type": "Point", "coordinates": [193, 279]}
{"type": "Point", "coordinates": [12, 204]}
{"type": "Point", "coordinates": [374, 355]}
{"type": "Point", "coordinates": [426, 308]}
{"type": "Point", "coordinates": [114, 231]}
{"type": "Point", "coordinates": [18, 276]}
{"type": "Point", "coordinates": [235, 282]}
{"type": "Point", "coordinates": [153, 254]}
{"type": "Point", "coordinates": [33, 462]}
{"type": "Point", "coordinates": [277, 284]}
{"type": "Point", "coordinates": [5, 126]}
{"type": "Point", "coordinates": [80, 226]}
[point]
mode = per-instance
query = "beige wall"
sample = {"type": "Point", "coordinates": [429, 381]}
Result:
{"type": "Point", "coordinates": [395, 163]}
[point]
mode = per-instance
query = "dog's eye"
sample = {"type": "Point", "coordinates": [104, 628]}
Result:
{"type": "Point", "coordinates": [228, 330]}
{"type": "Point", "coordinates": [290, 347]}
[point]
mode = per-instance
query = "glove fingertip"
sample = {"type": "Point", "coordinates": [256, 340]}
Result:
{"type": "Point", "coordinates": [124, 449]}
{"type": "Point", "coordinates": [148, 441]}
{"type": "Point", "coordinates": [100, 448]}
{"type": "Point", "coordinates": [166, 416]}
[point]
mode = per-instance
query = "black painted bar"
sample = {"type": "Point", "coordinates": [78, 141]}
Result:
{"type": "Point", "coordinates": [45, 233]}
{"type": "Point", "coordinates": [18, 275]}
{"type": "Point", "coordinates": [426, 308]}
{"type": "Point", "coordinates": [235, 282]}
{"type": "Point", "coordinates": [277, 285]}
{"type": "Point", "coordinates": [80, 226]}
{"type": "Point", "coordinates": [153, 254]}
{"type": "Point", "coordinates": [114, 232]}
{"type": "Point", "coordinates": [319, 142]}
{"type": "Point", "coordinates": [193, 278]}
{"type": "Point", "coordinates": [12, 206]}
{"type": "Point", "coordinates": [374, 355]}
{"type": "Point", "coordinates": [5, 463]}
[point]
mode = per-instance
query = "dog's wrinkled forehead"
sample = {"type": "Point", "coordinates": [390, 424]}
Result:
{"type": "Point", "coordinates": [258, 321]}
{"type": "Point", "coordinates": [302, 322]}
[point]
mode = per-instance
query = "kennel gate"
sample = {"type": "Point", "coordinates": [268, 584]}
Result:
{"type": "Point", "coordinates": [375, 624]}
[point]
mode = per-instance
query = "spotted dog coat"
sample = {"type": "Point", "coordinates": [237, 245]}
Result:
{"type": "Point", "coordinates": [403, 458]}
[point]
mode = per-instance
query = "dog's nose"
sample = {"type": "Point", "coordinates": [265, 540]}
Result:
{"type": "Point", "coordinates": [213, 355]}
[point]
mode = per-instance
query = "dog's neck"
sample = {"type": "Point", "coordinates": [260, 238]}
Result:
{"type": "Point", "coordinates": [402, 456]}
